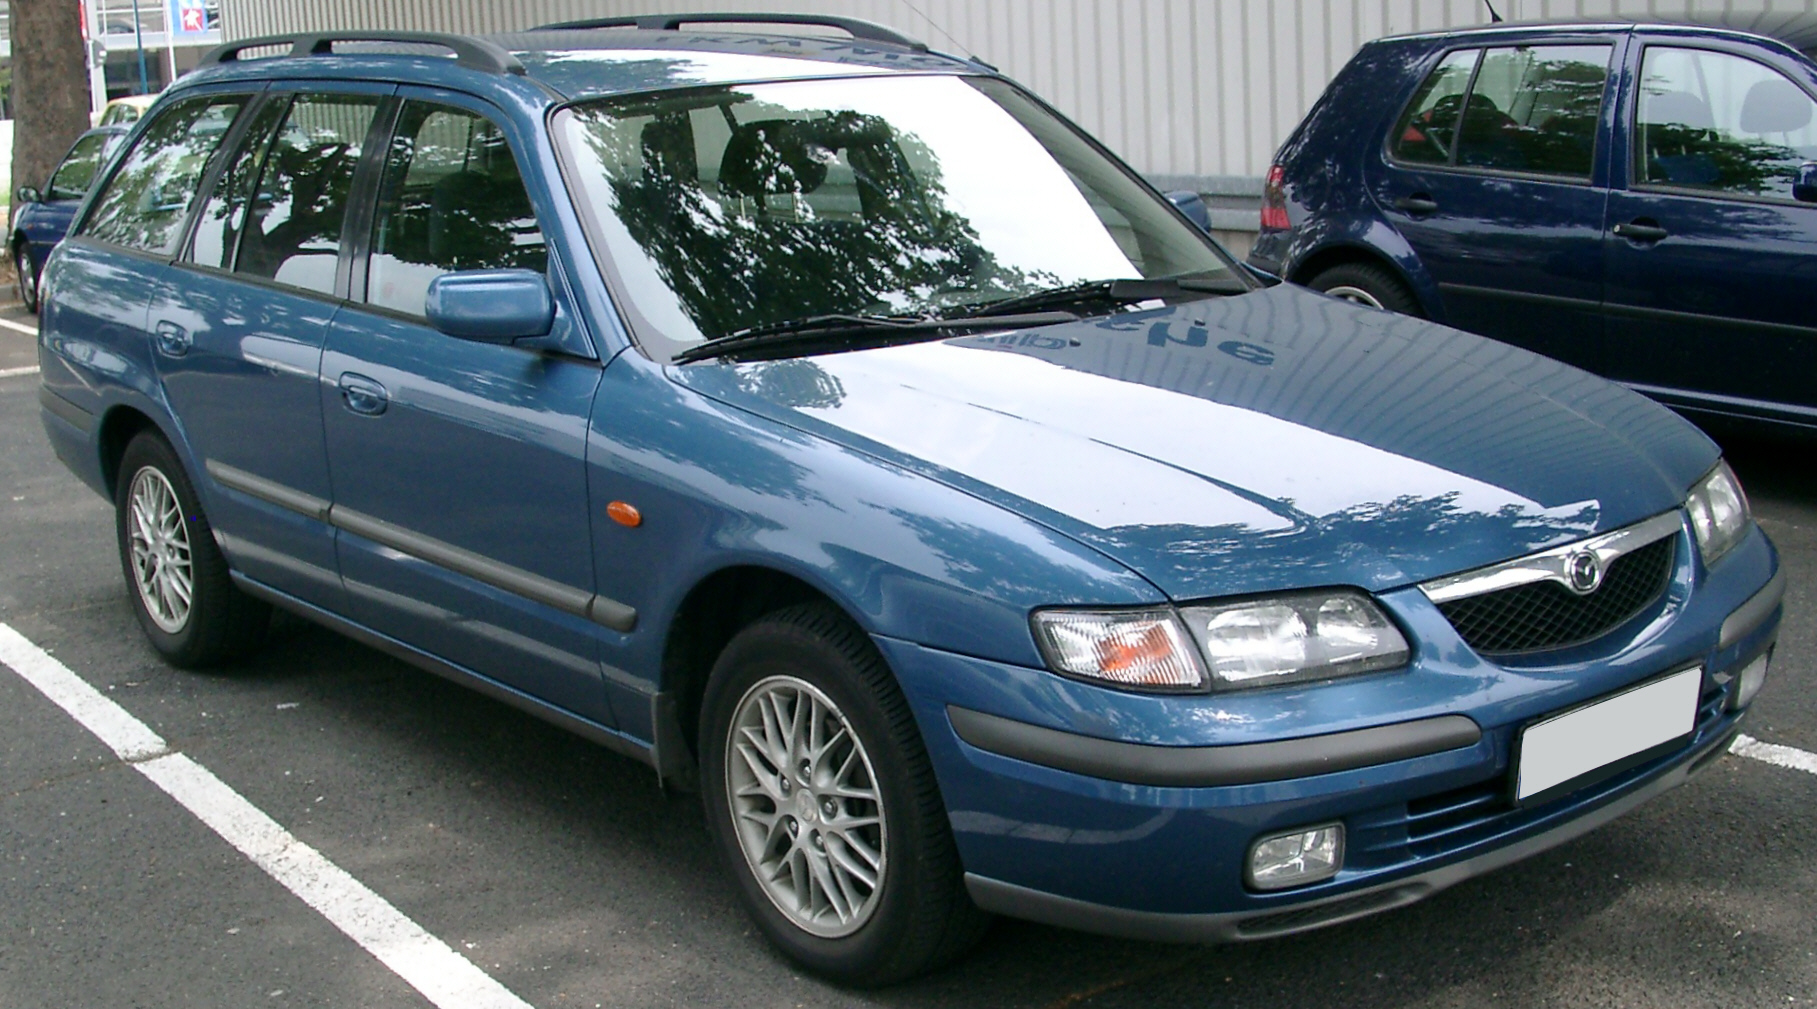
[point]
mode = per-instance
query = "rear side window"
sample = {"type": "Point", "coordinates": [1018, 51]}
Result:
{"type": "Point", "coordinates": [1426, 130]}
{"type": "Point", "coordinates": [1535, 109]}
{"type": "Point", "coordinates": [452, 199]}
{"type": "Point", "coordinates": [293, 232]}
{"type": "Point", "coordinates": [147, 201]}
{"type": "Point", "coordinates": [218, 226]}
{"type": "Point", "coordinates": [1717, 122]}
{"type": "Point", "coordinates": [77, 172]}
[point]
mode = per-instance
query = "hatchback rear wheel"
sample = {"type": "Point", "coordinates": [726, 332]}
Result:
{"type": "Point", "coordinates": [1367, 284]}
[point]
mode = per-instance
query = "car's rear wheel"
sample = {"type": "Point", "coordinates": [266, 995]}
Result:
{"type": "Point", "coordinates": [28, 278]}
{"type": "Point", "coordinates": [822, 803]}
{"type": "Point", "coordinates": [175, 575]}
{"type": "Point", "coordinates": [1367, 284]}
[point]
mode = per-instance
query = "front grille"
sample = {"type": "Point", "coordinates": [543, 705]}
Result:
{"type": "Point", "coordinates": [1545, 615]}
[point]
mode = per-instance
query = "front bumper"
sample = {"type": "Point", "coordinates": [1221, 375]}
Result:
{"type": "Point", "coordinates": [1132, 815]}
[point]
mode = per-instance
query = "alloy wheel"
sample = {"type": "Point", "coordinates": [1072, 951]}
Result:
{"type": "Point", "coordinates": [159, 540]}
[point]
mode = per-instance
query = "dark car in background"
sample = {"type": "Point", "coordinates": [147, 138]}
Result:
{"type": "Point", "coordinates": [43, 217]}
{"type": "Point", "coordinates": [1635, 198]}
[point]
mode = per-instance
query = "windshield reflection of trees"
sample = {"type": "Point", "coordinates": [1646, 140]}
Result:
{"type": "Point", "coordinates": [760, 251]}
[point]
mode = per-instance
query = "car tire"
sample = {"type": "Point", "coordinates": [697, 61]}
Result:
{"type": "Point", "coordinates": [28, 278]}
{"type": "Point", "coordinates": [1368, 284]}
{"type": "Point", "coordinates": [804, 679]}
{"type": "Point", "coordinates": [167, 553]}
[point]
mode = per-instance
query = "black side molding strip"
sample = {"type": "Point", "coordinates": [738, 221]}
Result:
{"type": "Point", "coordinates": [1202, 766]}
{"type": "Point", "coordinates": [1754, 612]}
{"type": "Point", "coordinates": [66, 411]}
{"type": "Point", "coordinates": [605, 612]}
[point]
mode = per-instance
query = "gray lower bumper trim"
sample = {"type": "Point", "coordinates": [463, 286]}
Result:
{"type": "Point", "coordinates": [1754, 612]}
{"type": "Point", "coordinates": [1021, 902]}
{"type": "Point", "coordinates": [66, 411]}
{"type": "Point", "coordinates": [1207, 766]}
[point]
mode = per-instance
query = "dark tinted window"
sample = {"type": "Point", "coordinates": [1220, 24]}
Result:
{"type": "Point", "coordinates": [293, 234]}
{"type": "Point", "coordinates": [146, 202]}
{"type": "Point", "coordinates": [218, 226]}
{"type": "Point", "coordinates": [1712, 121]}
{"type": "Point", "coordinates": [1535, 109]}
{"type": "Point", "coordinates": [77, 172]}
{"type": "Point", "coordinates": [451, 199]}
{"type": "Point", "coordinates": [1425, 131]}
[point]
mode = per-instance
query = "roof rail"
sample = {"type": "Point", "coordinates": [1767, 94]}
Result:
{"type": "Point", "coordinates": [478, 54]}
{"type": "Point", "coordinates": [868, 31]}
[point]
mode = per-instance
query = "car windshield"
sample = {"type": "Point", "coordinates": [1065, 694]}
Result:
{"type": "Point", "coordinates": [722, 209]}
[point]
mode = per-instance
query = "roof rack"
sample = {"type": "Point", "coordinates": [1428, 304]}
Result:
{"type": "Point", "coordinates": [477, 54]}
{"type": "Point", "coordinates": [868, 31]}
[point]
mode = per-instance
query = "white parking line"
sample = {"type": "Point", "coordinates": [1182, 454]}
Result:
{"type": "Point", "coordinates": [429, 965]}
{"type": "Point", "coordinates": [30, 369]}
{"type": "Point", "coordinates": [20, 326]}
{"type": "Point", "coordinates": [1773, 753]}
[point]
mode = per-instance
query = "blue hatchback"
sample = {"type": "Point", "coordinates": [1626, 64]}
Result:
{"type": "Point", "coordinates": [832, 426]}
{"type": "Point", "coordinates": [1636, 198]}
{"type": "Point", "coordinates": [41, 218]}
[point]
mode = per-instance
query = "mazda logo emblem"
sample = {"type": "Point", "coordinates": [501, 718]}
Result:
{"type": "Point", "coordinates": [1583, 572]}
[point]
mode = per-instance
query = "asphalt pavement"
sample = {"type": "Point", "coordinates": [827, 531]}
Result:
{"type": "Point", "coordinates": [562, 871]}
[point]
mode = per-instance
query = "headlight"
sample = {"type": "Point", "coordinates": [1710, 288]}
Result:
{"type": "Point", "coordinates": [1253, 643]}
{"type": "Point", "coordinates": [1304, 636]}
{"type": "Point", "coordinates": [1719, 513]}
{"type": "Point", "coordinates": [1131, 648]}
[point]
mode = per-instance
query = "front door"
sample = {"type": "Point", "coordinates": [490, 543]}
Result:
{"type": "Point", "coordinates": [1711, 259]}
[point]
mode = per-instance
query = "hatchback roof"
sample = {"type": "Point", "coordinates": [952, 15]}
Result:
{"type": "Point", "coordinates": [1796, 29]}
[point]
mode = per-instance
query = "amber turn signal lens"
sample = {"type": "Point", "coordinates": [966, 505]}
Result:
{"type": "Point", "coordinates": [625, 514]}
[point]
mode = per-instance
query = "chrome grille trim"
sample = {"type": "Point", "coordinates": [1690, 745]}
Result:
{"type": "Point", "coordinates": [1551, 565]}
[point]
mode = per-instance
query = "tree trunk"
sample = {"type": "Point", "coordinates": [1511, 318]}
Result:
{"type": "Point", "coordinates": [50, 86]}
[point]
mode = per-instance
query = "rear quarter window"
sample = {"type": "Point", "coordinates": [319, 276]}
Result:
{"type": "Point", "coordinates": [146, 203]}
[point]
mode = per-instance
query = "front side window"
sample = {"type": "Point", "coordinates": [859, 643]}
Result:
{"type": "Point", "coordinates": [733, 207]}
{"type": "Point", "coordinates": [77, 172]}
{"type": "Point", "coordinates": [1535, 109]}
{"type": "Point", "coordinates": [1715, 122]}
{"type": "Point", "coordinates": [293, 232]}
{"type": "Point", "coordinates": [452, 199]}
{"type": "Point", "coordinates": [147, 200]}
{"type": "Point", "coordinates": [1426, 132]}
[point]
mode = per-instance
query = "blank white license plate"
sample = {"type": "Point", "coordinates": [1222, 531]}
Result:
{"type": "Point", "coordinates": [1580, 742]}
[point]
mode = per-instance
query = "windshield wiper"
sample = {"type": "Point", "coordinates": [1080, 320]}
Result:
{"type": "Point", "coordinates": [1092, 292]}
{"type": "Point", "coordinates": [836, 327]}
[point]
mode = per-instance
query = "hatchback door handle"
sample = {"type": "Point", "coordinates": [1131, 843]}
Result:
{"type": "Point", "coordinates": [1418, 203]}
{"type": "Point", "coordinates": [1640, 231]}
{"type": "Point", "coordinates": [363, 395]}
{"type": "Point", "coordinates": [173, 340]}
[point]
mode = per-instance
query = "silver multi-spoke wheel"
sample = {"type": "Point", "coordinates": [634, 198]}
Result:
{"type": "Point", "coordinates": [805, 806]}
{"type": "Point", "coordinates": [1354, 294]}
{"type": "Point", "coordinates": [159, 542]}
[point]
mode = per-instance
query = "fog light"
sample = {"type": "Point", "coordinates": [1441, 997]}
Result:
{"type": "Point", "coordinates": [1304, 856]}
{"type": "Point", "coordinates": [1748, 683]}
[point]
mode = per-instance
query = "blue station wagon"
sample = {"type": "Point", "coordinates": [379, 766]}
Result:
{"type": "Point", "coordinates": [1634, 197]}
{"type": "Point", "coordinates": [829, 424]}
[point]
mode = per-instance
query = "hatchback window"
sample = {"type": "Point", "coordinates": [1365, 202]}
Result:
{"type": "Point", "coordinates": [1535, 109]}
{"type": "Point", "coordinates": [1425, 131]}
{"type": "Point", "coordinates": [1712, 121]}
{"type": "Point", "coordinates": [452, 199]}
{"type": "Point", "coordinates": [77, 172]}
{"type": "Point", "coordinates": [293, 234]}
{"type": "Point", "coordinates": [147, 200]}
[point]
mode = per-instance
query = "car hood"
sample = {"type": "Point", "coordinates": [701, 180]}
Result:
{"type": "Point", "coordinates": [1273, 440]}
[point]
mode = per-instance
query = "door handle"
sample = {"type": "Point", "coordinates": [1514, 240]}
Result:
{"type": "Point", "coordinates": [363, 395]}
{"type": "Point", "coordinates": [1418, 203]}
{"type": "Point", "coordinates": [173, 340]}
{"type": "Point", "coordinates": [1641, 230]}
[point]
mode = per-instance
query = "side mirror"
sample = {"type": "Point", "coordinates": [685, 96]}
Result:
{"type": "Point", "coordinates": [491, 306]}
{"type": "Point", "coordinates": [1804, 188]}
{"type": "Point", "coordinates": [30, 194]}
{"type": "Point", "coordinates": [1193, 206]}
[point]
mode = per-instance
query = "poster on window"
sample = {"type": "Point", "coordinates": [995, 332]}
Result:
{"type": "Point", "coordinates": [188, 17]}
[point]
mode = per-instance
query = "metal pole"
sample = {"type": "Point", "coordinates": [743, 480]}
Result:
{"type": "Point", "coordinates": [138, 38]}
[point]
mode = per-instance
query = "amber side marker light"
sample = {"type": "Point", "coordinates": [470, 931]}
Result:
{"type": "Point", "coordinates": [625, 514]}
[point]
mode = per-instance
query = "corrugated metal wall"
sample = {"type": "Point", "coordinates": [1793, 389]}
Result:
{"type": "Point", "coordinates": [1180, 88]}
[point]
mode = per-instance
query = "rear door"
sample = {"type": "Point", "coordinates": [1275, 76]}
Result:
{"type": "Point", "coordinates": [1495, 175]}
{"type": "Point", "coordinates": [1711, 260]}
{"type": "Point", "coordinates": [459, 467]}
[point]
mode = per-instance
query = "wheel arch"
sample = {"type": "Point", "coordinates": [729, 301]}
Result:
{"type": "Point", "coordinates": [118, 427]}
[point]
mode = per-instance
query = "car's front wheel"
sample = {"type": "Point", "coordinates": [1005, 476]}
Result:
{"type": "Point", "coordinates": [28, 278]}
{"type": "Point", "coordinates": [175, 575]}
{"type": "Point", "coordinates": [1367, 284]}
{"type": "Point", "coordinates": [822, 803]}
